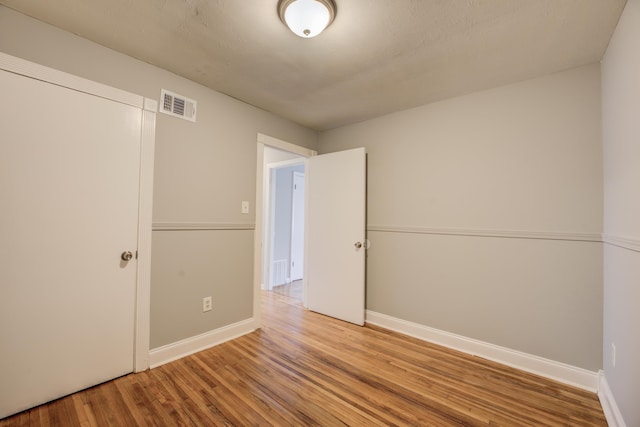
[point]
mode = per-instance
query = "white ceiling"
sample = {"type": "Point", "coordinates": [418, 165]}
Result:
{"type": "Point", "coordinates": [377, 57]}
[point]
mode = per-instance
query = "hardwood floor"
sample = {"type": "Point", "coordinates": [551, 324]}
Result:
{"type": "Point", "coordinates": [292, 290]}
{"type": "Point", "coordinates": [302, 368]}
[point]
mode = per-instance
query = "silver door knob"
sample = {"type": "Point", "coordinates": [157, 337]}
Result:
{"type": "Point", "coordinates": [358, 245]}
{"type": "Point", "coordinates": [126, 256]}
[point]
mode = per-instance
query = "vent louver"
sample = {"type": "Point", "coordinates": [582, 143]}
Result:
{"type": "Point", "coordinates": [178, 105]}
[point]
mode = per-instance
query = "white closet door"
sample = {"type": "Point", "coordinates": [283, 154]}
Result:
{"type": "Point", "coordinates": [69, 187]}
{"type": "Point", "coordinates": [335, 261]}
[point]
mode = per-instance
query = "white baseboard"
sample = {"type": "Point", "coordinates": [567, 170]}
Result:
{"type": "Point", "coordinates": [557, 371]}
{"type": "Point", "coordinates": [177, 350]}
{"type": "Point", "coordinates": [609, 406]}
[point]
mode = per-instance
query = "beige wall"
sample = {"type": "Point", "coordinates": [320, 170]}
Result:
{"type": "Point", "coordinates": [515, 161]}
{"type": "Point", "coordinates": [621, 138]}
{"type": "Point", "coordinates": [203, 171]}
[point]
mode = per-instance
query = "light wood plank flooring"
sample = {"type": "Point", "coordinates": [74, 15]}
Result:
{"type": "Point", "coordinates": [302, 368]}
{"type": "Point", "coordinates": [292, 290]}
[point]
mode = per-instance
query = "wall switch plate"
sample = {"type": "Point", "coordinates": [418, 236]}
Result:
{"type": "Point", "coordinates": [206, 304]}
{"type": "Point", "coordinates": [245, 207]}
{"type": "Point", "coordinates": [613, 355]}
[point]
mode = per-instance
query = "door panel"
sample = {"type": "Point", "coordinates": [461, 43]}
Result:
{"type": "Point", "coordinates": [297, 227]}
{"type": "Point", "coordinates": [69, 185]}
{"type": "Point", "coordinates": [335, 267]}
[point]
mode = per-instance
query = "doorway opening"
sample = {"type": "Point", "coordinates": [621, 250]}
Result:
{"type": "Point", "coordinates": [280, 205]}
{"type": "Point", "coordinates": [283, 220]}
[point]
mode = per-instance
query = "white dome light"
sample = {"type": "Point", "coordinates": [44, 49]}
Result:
{"type": "Point", "coordinates": [306, 18]}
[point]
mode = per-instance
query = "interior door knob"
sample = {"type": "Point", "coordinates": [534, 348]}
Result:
{"type": "Point", "coordinates": [358, 245]}
{"type": "Point", "coordinates": [126, 256]}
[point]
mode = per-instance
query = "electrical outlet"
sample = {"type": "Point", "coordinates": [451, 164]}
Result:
{"type": "Point", "coordinates": [206, 304]}
{"type": "Point", "coordinates": [613, 355]}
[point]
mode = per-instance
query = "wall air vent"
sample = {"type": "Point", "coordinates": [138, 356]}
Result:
{"type": "Point", "coordinates": [177, 105]}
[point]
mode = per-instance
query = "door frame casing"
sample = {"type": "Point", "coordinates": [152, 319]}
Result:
{"type": "Point", "coordinates": [262, 142]}
{"type": "Point", "coordinates": [142, 331]}
{"type": "Point", "coordinates": [148, 107]}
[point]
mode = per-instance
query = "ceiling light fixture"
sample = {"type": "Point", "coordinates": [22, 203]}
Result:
{"type": "Point", "coordinates": [307, 18]}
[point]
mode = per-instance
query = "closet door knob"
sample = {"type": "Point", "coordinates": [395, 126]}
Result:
{"type": "Point", "coordinates": [126, 256]}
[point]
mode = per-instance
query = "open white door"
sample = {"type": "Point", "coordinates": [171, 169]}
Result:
{"type": "Point", "coordinates": [335, 235]}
